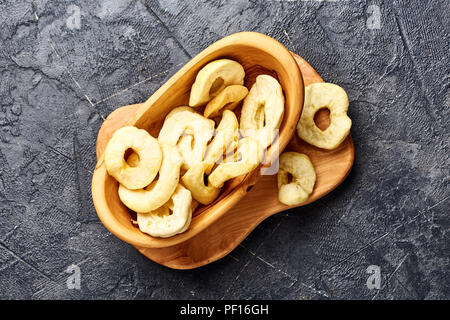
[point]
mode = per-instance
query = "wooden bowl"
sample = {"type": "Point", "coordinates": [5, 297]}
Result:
{"type": "Point", "coordinates": [258, 54]}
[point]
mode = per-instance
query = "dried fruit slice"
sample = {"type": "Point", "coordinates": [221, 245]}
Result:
{"type": "Point", "coordinates": [170, 219]}
{"type": "Point", "coordinates": [227, 99]}
{"type": "Point", "coordinates": [193, 179]}
{"type": "Point", "coordinates": [159, 192]}
{"type": "Point", "coordinates": [334, 98]}
{"type": "Point", "coordinates": [147, 149]}
{"type": "Point", "coordinates": [303, 175]}
{"type": "Point", "coordinates": [226, 134]}
{"type": "Point", "coordinates": [194, 130]}
{"type": "Point", "coordinates": [213, 78]}
{"type": "Point", "coordinates": [250, 155]}
{"type": "Point", "coordinates": [262, 110]}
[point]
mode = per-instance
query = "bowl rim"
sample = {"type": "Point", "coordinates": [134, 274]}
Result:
{"type": "Point", "coordinates": [252, 39]}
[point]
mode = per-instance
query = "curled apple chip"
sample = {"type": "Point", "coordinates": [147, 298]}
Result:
{"type": "Point", "coordinates": [334, 98]}
{"type": "Point", "coordinates": [147, 150]}
{"type": "Point", "coordinates": [249, 156]}
{"type": "Point", "coordinates": [160, 191]}
{"type": "Point", "coordinates": [262, 110]}
{"type": "Point", "coordinates": [170, 219]}
{"type": "Point", "coordinates": [213, 78]}
{"type": "Point", "coordinates": [225, 135]}
{"type": "Point", "coordinates": [227, 99]}
{"type": "Point", "coordinates": [193, 179]}
{"type": "Point", "coordinates": [190, 131]}
{"type": "Point", "coordinates": [300, 168]}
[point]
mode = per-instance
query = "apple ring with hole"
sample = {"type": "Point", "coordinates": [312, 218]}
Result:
{"type": "Point", "coordinates": [193, 179]}
{"type": "Point", "coordinates": [227, 99]}
{"type": "Point", "coordinates": [165, 210]}
{"type": "Point", "coordinates": [160, 191]}
{"type": "Point", "coordinates": [194, 130]}
{"type": "Point", "coordinates": [147, 149]}
{"type": "Point", "coordinates": [319, 96]}
{"type": "Point", "coordinates": [249, 154]}
{"type": "Point", "coordinates": [262, 110]}
{"type": "Point", "coordinates": [225, 134]}
{"type": "Point", "coordinates": [213, 78]}
{"type": "Point", "coordinates": [169, 206]}
{"type": "Point", "coordinates": [300, 168]}
{"type": "Point", "coordinates": [170, 219]}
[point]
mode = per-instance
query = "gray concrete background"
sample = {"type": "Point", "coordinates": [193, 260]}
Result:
{"type": "Point", "coordinates": [65, 65]}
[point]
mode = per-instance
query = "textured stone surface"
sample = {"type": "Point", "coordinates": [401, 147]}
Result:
{"type": "Point", "coordinates": [64, 66]}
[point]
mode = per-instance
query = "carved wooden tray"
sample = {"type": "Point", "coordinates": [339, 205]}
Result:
{"type": "Point", "coordinates": [220, 238]}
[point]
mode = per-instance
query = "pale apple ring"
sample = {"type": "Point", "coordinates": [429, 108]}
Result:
{"type": "Point", "coordinates": [213, 78]}
{"type": "Point", "coordinates": [262, 110]}
{"type": "Point", "coordinates": [299, 166]}
{"type": "Point", "coordinates": [225, 134]}
{"type": "Point", "coordinates": [165, 210]}
{"type": "Point", "coordinates": [250, 154]}
{"type": "Point", "coordinates": [160, 223]}
{"type": "Point", "coordinates": [227, 99]}
{"type": "Point", "coordinates": [319, 96]}
{"type": "Point", "coordinates": [193, 180]}
{"type": "Point", "coordinates": [194, 130]}
{"type": "Point", "coordinates": [159, 192]}
{"type": "Point", "coordinates": [144, 145]}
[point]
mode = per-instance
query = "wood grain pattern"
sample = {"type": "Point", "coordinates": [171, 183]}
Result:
{"type": "Point", "coordinates": [332, 166]}
{"type": "Point", "coordinates": [258, 54]}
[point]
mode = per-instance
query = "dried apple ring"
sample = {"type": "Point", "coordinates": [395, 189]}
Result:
{"type": "Point", "coordinates": [228, 98]}
{"type": "Point", "coordinates": [166, 210]}
{"type": "Point", "coordinates": [303, 175]}
{"type": "Point", "coordinates": [193, 179]}
{"type": "Point", "coordinates": [226, 133]}
{"type": "Point", "coordinates": [147, 149]}
{"type": "Point", "coordinates": [160, 191]}
{"type": "Point", "coordinates": [262, 110]}
{"type": "Point", "coordinates": [250, 155]}
{"type": "Point", "coordinates": [185, 122]}
{"type": "Point", "coordinates": [334, 98]}
{"type": "Point", "coordinates": [170, 219]}
{"type": "Point", "coordinates": [213, 78]}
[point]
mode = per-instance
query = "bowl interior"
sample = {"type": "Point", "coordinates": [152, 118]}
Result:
{"type": "Point", "coordinates": [258, 54]}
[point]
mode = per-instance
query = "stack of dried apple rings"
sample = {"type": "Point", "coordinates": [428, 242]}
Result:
{"type": "Point", "coordinates": [298, 166]}
{"type": "Point", "coordinates": [164, 179]}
